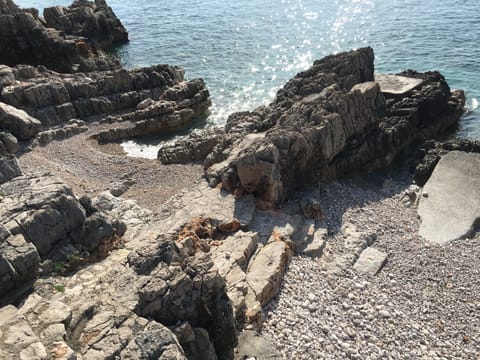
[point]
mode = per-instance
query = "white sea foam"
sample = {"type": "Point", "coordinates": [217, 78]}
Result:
{"type": "Point", "coordinates": [473, 104]}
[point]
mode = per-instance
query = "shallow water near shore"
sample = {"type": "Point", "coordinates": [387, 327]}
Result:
{"type": "Point", "coordinates": [246, 50]}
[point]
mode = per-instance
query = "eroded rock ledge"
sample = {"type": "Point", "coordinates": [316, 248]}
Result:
{"type": "Point", "coordinates": [327, 121]}
{"type": "Point", "coordinates": [42, 104]}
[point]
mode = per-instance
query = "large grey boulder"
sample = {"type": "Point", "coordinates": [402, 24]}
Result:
{"type": "Point", "coordinates": [42, 208]}
{"type": "Point", "coordinates": [19, 261]}
{"type": "Point", "coordinates": [18, 122]}
{"type": "Point", "coordinates": [450, 205]}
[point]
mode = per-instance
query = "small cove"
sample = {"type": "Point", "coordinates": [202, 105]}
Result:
{"type": "Point", "coordinates": [248, 49]}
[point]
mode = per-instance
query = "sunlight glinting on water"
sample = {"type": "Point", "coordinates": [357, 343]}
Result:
{"type": "Point", "coordinates": [292, 55]}
{"type": "Point", "coordinates": [246, 50]}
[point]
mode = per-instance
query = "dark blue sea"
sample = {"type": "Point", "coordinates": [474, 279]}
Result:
{"type": "Point", "coordinates": [246, 49]}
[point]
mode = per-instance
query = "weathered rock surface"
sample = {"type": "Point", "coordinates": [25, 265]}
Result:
{"type": "Point", "coordinates": [18, 122]}
{"type": "Point", "coordinates": [93, 20]}
{"type": "Point", "coordinates": [395, 85]}
{"type": "Point", "coordinates": [256, 346]}
{"type": "Point", "coordinates": [195, 147]}
{"type": "Point", "coordinates": [25, 39]}
{"type": "Point", "coordinates": [44, 328]}
{"type": "Point", "coordinates": [9, 168]}
{"type": "Point", "coordinates": [41, 219]}
{"type": "Point", "coordinates": [58, 101]}
{"type": "Point", "coordinates": [432, 151]}
{"type": "Point", "coordinates": [450, 204]}
{"type": "Point", "coordinates": [370, 261]}
{"type": "Point", "coordinates": [327, 121]}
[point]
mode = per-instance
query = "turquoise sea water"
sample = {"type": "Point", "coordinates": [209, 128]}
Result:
{"type": "Point", "coordinates": [246, 49]}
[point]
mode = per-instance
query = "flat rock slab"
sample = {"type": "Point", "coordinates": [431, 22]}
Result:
{"type": "Point", "coordinates": [370, 261]}
{"type": "Point", "coordinates": [252, 345]}
{"type": "Point", "coordinates": [396, 84]}
{"type": "Point", "coordinates": [450, 205]}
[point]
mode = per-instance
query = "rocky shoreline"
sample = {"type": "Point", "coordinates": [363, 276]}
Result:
{"type": "Point", "coordinates": [289, 242]}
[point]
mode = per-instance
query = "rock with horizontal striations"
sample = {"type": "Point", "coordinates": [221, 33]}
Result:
{"type": "Point", "coordinates": [195, 147]}
{"type": "Point", "coordinates": [61, 102]}
{"type": "Point", "coordinates": [43, 209]}
{"type": "Point", "coordinates": [450, 206]}
{"type": "Point", "coordinates": [41, 219]}
{"type": "Point", "coordinates": [93, 20]}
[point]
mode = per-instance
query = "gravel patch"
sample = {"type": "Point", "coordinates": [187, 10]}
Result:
{"type": "Point", "coordinates": [90, 168]}
{"type": "Point", "coordinates": [424, 304]}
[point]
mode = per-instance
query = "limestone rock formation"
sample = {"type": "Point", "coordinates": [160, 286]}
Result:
{"type": "Point", "coordinates": [327, 121]}
{"type": "Point", "coordinates": [18, 122]}
{"type": "Point", "coordinates": [25, 39]}
{"type": "Point", "coordinates": [139, 102]}
{"type": "Point", "coordinates": [93, 20]}
{"type": "Point", "coordinates": [196, 147]}
{"type": "Point", "coordinates": [9, 168]}
{"type": "Point", "coordinates": [42, 220]}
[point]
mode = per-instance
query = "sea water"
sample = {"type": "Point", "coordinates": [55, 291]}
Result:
{"type": "Point", "coordinates": [246, 50]}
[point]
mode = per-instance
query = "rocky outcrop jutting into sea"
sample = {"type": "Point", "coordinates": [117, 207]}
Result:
{"type": "Point", "coordinates": [98, 276]}
{"type": "Point", "coordinates": [141, 101]}
{"type": "Point", "coordinates": [95, 21]}
{"type": "Point", "coordinates": [62, 42]}
{"type": "Point", "coordinates": [327, 121]}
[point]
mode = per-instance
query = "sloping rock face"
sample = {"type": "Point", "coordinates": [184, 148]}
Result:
{"type": "Point", "coordinates": [9, 168]}
{"type": "Point", "coordinates": [450, 205]}
{"type": "Point", "coordinates": [25, 39]}
{"type": "Point", "coordinates": [143, 101]}
{"type": "Point", "coordinates": [327, 121]}
{"type": "Point", "coordinates": [93, 20]}
{"type": "Point", "coordinates": [42, 220]}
